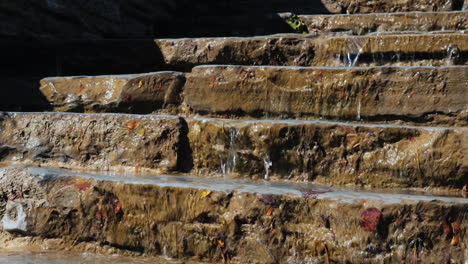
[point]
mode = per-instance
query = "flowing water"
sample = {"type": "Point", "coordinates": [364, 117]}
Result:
{"type": "Point", "coordinates": [346, 195]}
{"type": "Point", "coordinates": [53, 257]}
{"type": "Point", "coordinates": [230, 163]}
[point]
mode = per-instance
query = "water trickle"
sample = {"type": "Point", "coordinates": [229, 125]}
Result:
{"type": "Point", "coordinates": [452, 54]}
{"type": "Point", "coordinates": [355, 48]}
{"type": "Point", "coordinates": [229, 166]}
{"type": "Point", "coordinates": [358, 116]}
{"type": "Point", "coordinates": [267, 163]}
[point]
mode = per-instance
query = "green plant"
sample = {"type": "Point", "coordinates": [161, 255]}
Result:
{"type": "Point", "coordinates": [297, 25]}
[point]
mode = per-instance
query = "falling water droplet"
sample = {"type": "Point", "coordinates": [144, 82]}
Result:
{"type": "Point", "coordinates": [267, 163]}
{"type": "Point", "coordinates": [229, 166]}
{"type": "Point", "coordinates": [358, 117]}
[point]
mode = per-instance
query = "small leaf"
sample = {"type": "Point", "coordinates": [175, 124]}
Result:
{"type": "Point", "coordinates": [270, 211]}
{"type": "Point", "coordinates": [130, 125]}
{"type": "Point", "coordinates": [140, 84]}
{"type": "Point", "coordinates": [81, 88]}
{"type": "Point", "coordinates": [370, 219]}
{"type": "Point", "coordinates": [141, 132]}
{"type": "Point", "coordinates": [205, 193]}
{"type": "Point", "coordinates": [221, 243]}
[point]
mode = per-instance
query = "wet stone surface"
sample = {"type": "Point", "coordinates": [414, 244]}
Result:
{"type": "Point", "coordinates": [154, 217]}
{"type": "Point", "coordinates": [381, 93]}
{"type": "Point", "coordinates": [136, 93]}
{"type": "Point", "coordinates": [329, 152]}
{"type": "Point", "coordinates": [103, 142]}
{"type": "Point", "coordinates": [386, 22]}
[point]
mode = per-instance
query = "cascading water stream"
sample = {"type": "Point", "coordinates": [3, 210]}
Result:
{"type": "Point", "coordinates": [229, 165]}
{"type": "Point", "coordinates": [267, 163]}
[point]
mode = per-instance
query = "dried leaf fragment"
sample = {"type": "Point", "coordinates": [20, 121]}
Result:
{"type": "Point", "coordinates": [370, 219]}
{"type": "Point", "coordinates": [81, 88]}
{"type": "Point", "coordinates": [270, 211]}
{"type": "Point", "coordinates": [141, 132]}
{"type": "Point", "coordinates": [205, 193]}
{"type": "Point", "coordinates": [130, 125]}
{"type": "Point", "coordinates": [221, 243]}
{"type": "Point", "coordinates": [455, 240]}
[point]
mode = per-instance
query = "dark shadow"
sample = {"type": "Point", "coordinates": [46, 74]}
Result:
{"type": "Point", "coordinates": [184, 151]}
{"type": "Point", "coordinates": [24, 62]}
{"type": "Point", "coordinates": [211, 18]}
{"type": "Point", "coordinates": [41, 39]}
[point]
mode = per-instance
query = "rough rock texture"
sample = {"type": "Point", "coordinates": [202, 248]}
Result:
{"type": "Point", "coordinates": [367, 23]}
{"type": "Point", "coordinates": [383, 6]}
{"type": "Point", "coordinates": [318, 50]}
{"type": "Point", "coordinates": [270, 50]}
{"type": "Point", "coordinates": [327, 152]}
{"type": "Point", "coordinates": [128, 93]}
{"type": "Point", "coordinates": [414, 93]}
{"type": "Point", "coordinates": [238, 227]}
{"type": "Point", "coordinates": [104, 142]}
{"type": "Point", "coordinates": [63, 57]}
{"type": "Point", "coordinates": [410, 49]}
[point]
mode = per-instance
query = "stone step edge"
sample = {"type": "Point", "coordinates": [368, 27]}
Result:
{"type": "Point", "coordinates": [285, 14]}
{"type": "Point", "coordinates": [253, 121]}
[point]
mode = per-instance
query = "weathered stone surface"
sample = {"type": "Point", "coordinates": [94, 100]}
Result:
{"type": "Point", "coordinates": [318, 50]}
{"type": "Point", "coordinates": [410, 49]}
{"type": "Point", "coordinates": [380, 93]}
{"type": "Point", "coordinates": [330, 152]}
{"type": "Point", "coordinates": [270, 50]}
{"type": "Point", "coordinates": [130, 93]}
{"type": "Point", "coordinates": [86, 141]}
{"type": "Point", "coordinates": [145, 216]}
{"type": "Point", "coordinates": [384, 22]}
{"type": "Point", "coordinates": [383, 6]}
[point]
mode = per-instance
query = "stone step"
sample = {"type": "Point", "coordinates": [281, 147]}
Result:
{"type": "Point", "coordinates": [383, 6]}
{"type": "Point", "coordinates": [370, 155]}
{"type": "Point", "coordinates": [430, 95]}
{"type": "Point", "coordinates": [96, 57]}
{"type": "Point", "coordinates": [362, 24]}
{"type": "Point", "coordinates": [94, 141]}
{"type": "Point", "coordinates": [436, 48]}
{"type": "Point", "coordinates": [137, 93]}
{"type": "Point", "coordinates": [418, 94]}
{"type": "Point", "coordinates": [329, 152]}
{"type": "Point", "coordinates": [187, 218]}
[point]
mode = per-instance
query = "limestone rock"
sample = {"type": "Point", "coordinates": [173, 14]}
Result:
{"type": "Point", "coordinates": [94, 141]}
{"type": "Point", "coordinates": [351, 94]}
{"type": "Point", "coordinates": [130, 93]}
